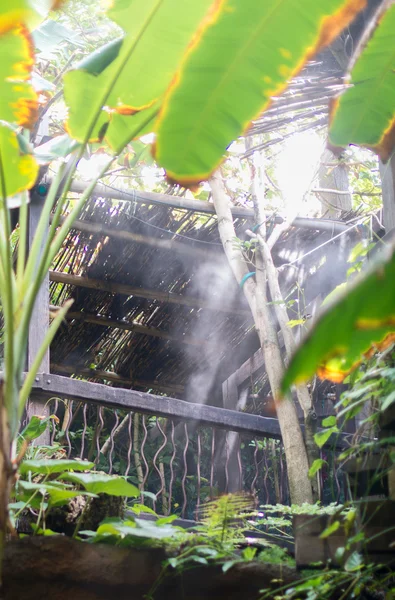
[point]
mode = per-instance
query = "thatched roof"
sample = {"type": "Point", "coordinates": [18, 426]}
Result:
{"type": "Point", "coordinates": [149, 343]}
{"type": "Point", "coordinates": [195, 333]}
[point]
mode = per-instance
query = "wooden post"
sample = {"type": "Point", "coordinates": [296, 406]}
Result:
{"type": "Point", "coordinates": [39, 324]}
{"type": "Point", "coordinates": [387, 172]}
{"type": "Point", "coordinates": [231, 445]}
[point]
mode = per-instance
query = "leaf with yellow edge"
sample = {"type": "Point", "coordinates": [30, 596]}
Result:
{"type": "Point", "coordinates": [355, 325]}
{"type": "Point", "coordinates": [29, 12]}
{"type": "Point", "coordinates": [245, 55]}
{"type": "Point", "coordinates": [18, 171]}
{"type": "Point", "coordinates": [365, 113]}
{"type": "Point", "coordinates": [129, 77]}
{"type": "Point", "coordinates": [18, 100]}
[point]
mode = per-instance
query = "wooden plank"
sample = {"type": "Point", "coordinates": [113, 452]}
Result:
{"type": "Point", "coordinates": [128, 290]}
{"type": "Point", "coordinates": [136, 327]}
{"type": "Point", "coordinates": [387, 172]}
{"type": "Point", "coordinates": [50, 385]}
{"type": "Point", "coordinates": [196, 252]}
{"type": "Point", "coordinates": [252, 366]}
{"type": "Point", "coordinates": [168, 388]}
{"type": "Point", "coordinates": [230, 400]}
{"type": "Point", "coordinates": [39, 322]}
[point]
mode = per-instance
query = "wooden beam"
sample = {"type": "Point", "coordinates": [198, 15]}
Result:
{"type": "Point", "coordinates": [119, 288]}
{"type": "Point", "coordinates": [194, 251]}
{"type": "Point", "coordinates": [131, 195]}
{"type": "Point", "coordinates": [50, 385]}
{"type": "Point", "coordinates": [136, 327]}
{"type": "Point", "coordinates": [167, 388]}
{"type": "Point", "coordinates": [387, 172]}
{"type": "Point", "coordinates": [39, 323]}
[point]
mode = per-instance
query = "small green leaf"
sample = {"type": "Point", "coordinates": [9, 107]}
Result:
{"type": "Point", "coordinates": [339, 554]}
{"type": "Point", "coordinates": [249, 553]}
{"type": "Point", "coordinates": [354, 562]}
{"type": "Point", "coordinates": [322, 437]}
{"type": "Point", "coordinates": [173, 562]}
{"type": "Point", "coordinates": [99, 483]}
{"type": "Point", "coordinates": [166, 520]}
{"type": "Point", "coordinates": [36, 427]}
{"type": "Point", "coordinates": [40, 531]}
{"type": "Point", "coordinates": [390, 399]}
{"type": "Point", "coordinates": [199, 559]}
{"type": "Point", "coordinates": [329, 421]}
{"type": "Point", "coordinates": [316, 466]}
{"type": "Point", "coordinates": [228, 565]}
{"type": "Point", "coordinates": [349, 521]}
{"type": "Point", "coordinates": [139, 508]}
{"type": "Point", "coordinates": [329, 530]}
{"type": "Point", "coordinates": [207, 551]}
{"type": "Point", "coordinates": [295, 322]}
{"type": "Point", "coordinates": [48, 466]}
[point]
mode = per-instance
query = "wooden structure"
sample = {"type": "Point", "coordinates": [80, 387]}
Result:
{"type": "Point", "coordinates": [149, 316]}
{"type": "Point", "coordinates": [156, 309]}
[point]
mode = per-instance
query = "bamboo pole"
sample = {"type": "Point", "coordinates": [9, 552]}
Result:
{"type": "Point", "coordinates": [131, 326]}
{"type": "Point", "coordinates": [189, 249]}
{"type": "Point", "coordinates": [130, 195]}
{"type": "Point", "coordinates": [120, 288]}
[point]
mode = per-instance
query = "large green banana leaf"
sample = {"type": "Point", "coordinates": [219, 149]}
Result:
{"type": "Point", "coordinates": [362, 321]}
{"type": "Point", "coordinates": [365, 113]}
{"type": "Point", "coordinates": [246, 54]}
{"type": "Point", "coordinates": [18, 107]}
{"type": "Point", "coordinates": [18, 171]}
{"type": "Point", "coordinates": [107, 103]}
{"type": "Point", "coordinates": [18, 101]}
{"type": "Point", "coordinates": [29, 12]}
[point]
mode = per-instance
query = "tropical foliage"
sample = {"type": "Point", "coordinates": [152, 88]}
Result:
{"type": "Point", "coordinates": [218, 66]}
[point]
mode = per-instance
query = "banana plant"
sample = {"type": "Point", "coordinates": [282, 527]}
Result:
{"type": "Point", "coordinates": [21, 280]}
{"type": "Point", "coordinates": [206, 68]}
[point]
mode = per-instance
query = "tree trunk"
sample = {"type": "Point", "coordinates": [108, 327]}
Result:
{"type": "Point", "coordinates": [255, 292]}
{"type": "Point", "coordinates": [302, 392]}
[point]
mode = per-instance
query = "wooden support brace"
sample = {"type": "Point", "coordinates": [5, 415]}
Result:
{"type": "Point", "coordinates": [49, 385]}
